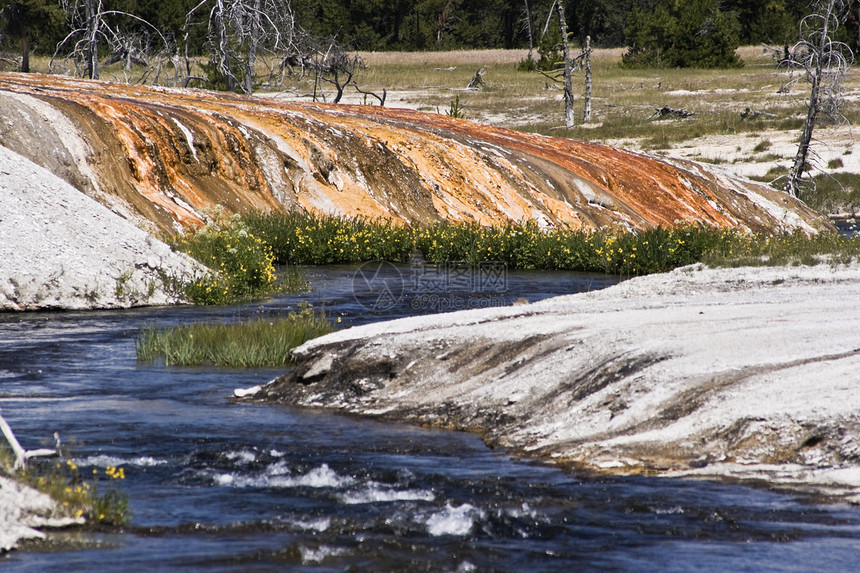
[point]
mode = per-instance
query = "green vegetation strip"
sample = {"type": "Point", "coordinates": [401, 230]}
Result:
{"type": "Point", "coordinates": [306, 239]}
{"type": "Point", "coordinates": [242, 252]}
{"type": "Point", "coordinates": [259, 343]}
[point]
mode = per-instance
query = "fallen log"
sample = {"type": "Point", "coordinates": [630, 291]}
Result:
{"type": "Point", "coordinates": [667, 111]}
{"type": "Point", "coordinates": [752, 114]}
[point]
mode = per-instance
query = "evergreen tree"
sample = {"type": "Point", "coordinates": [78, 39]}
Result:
{"type": "Point", "coordinates": [681, 34]}
{"type": "Point", "coordinates": [24, 20]}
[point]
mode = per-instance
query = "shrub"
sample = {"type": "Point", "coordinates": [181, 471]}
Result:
{"type": "Point", "coordinates": [241, 262]}
{"type": "Point", "coordinates": [311, 239]}
{"type": "Point", "coordinates": [762, 146]}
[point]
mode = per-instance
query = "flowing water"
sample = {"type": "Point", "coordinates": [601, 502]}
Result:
{"type": "Point", "coordinates": [218, 486]}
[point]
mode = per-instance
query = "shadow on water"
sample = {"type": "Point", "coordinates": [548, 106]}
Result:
{"type": "Point", "coordinates": [217, 486]}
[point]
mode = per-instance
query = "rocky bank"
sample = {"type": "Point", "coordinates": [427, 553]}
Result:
{"type": "Point", "coordinates": [24, 511]}
{"type": "Point", "coordinates": [742, 373]}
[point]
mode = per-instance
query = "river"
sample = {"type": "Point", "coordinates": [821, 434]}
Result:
{"type": "Point", "coordinates": [218, 486]}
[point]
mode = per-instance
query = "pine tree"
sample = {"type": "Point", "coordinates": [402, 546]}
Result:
{"type": "Point", "coordinates": [681, 34]}
{"type": "Point", "coordinates": [21, 18]}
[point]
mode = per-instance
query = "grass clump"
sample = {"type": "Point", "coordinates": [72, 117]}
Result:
{"type": "Point", "coordinates": [833, 193]}
{"type": "Point", "coordinates": [762, 146]}
{"type": "Point", "coordinates": [259, 343]}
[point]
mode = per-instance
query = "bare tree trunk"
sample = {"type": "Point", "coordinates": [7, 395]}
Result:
{"type": "Point", "coordinates": [569, 118]}
{"type": "Point", "coordinates": [253, 40]}
{"type": "Point", "coordinates": [92, 14]}
{"type": "Point", "coordinates": [587, 115]}
{"type": "Point", "coordinates": [529, 29]}
{"type": "Point", "coordinates": [25, 53]}
{"type": "Point", "coordinates": [813, 106]}
{"type": "Point", "coordinates": [548, 19]}
{"type": "Point", "coordinates": [316, 83]}
{"type": "Point", "coordinates": [796, 171]}
{"type": "Point", "coordinates": [223, 49]}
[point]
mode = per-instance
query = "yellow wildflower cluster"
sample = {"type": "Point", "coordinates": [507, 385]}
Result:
{"type": "Point", "coordinates": [115, 473]}
{"type": "Point", "coordinates": [242, 263]}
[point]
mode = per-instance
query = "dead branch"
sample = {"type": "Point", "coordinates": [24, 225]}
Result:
{"type": "Point", "coordinates": [477, 81]}
{"type": "Point", "coordinates": [22, 455]}
{"type": "Point", "coordinates": [752, 114]}
{"type": "Point", "coordinates": [380, 99]}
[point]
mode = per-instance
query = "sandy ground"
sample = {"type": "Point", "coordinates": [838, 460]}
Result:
{"type": "Point", "coordinates": [737, 154]}
{"type": "Point", "coordinates": [743, 373]}
{"type": "Point", "coordinates": [61, 249]}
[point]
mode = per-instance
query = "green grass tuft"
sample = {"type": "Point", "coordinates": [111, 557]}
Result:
{"type": "Point", "coordinates": [259, 343]}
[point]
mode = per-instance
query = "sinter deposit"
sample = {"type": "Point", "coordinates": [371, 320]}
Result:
{"type": "Point", "coordinates": [163, 157]}
{"type": "Point", "coordinates": [749, 373]}
{"type": "Point", "coordinates": [61, 249]}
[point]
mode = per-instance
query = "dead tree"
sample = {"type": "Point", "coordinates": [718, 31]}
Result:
{"type": "Point", "coordinates": [748, 113]}
{"type": "Point", "coordinates": [336, 67]}
{"type": "Point", "coordinates": [666, 111]}
{"type": "Point", "coordinates": [528, 25]}
{"type": "Point", "coordinates": [380, 99]}
{"type": "Point", "coordinates": [92, 26]}
{"type": "Point", "coordinates": [256, 26]}
{"type": "Point", "coordinates": [586, 116]}
{"type": "Point", "coordinates": [569, 118]}
{"type": "Point", "coordinates": [443, 23]}
{"type": "Point", "coordinates": [823, 62]}
{"type": "Point", "coordinates": [238, 31]}
{"type": "Point", "coordinates": [92, 13]}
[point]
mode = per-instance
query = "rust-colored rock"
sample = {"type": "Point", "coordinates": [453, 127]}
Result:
{"type": "Point", "coordinates": [163, 157]}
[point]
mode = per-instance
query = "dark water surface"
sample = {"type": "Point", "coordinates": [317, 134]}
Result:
{"type": "Point", "coordinates": [223, 487]}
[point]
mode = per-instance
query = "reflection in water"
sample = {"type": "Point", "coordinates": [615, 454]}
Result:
{"type": "Point", "coordinates": [236, 487]}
